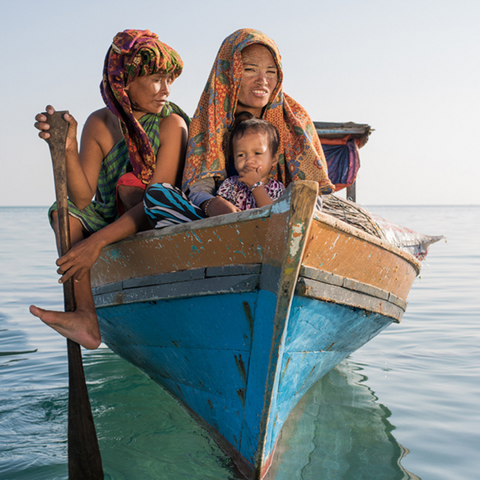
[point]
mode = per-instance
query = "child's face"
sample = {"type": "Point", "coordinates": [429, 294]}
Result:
{"type": "Point", "coordinates": [252, 152]}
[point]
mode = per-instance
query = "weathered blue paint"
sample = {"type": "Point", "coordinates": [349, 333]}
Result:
{"type": "Point", "coordinates": [213, 352]}
{"type": "Point", "coordinates": [239, 342]}
{"type": "Point", "coordinates": [319, 335]}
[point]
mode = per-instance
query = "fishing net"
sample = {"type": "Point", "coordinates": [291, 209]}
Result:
{"type": "Point", "coordinates": [352, 214]}
{"type": "Point", "coordinates": [401, 237]}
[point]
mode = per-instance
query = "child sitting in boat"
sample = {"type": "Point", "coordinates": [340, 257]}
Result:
{"type": "Point", "coordinates": [254, 148]}
{"type": "Point", "coordinates": [254, 145]}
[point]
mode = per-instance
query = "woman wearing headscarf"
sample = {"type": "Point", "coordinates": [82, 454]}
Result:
{"type": "Point", "coordinates": [247, 77]}
{"type": "Point", "coordinates": [139, 138]}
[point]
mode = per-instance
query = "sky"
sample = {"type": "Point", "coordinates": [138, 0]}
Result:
{"type": "Point", "coordinates": [408, 68]}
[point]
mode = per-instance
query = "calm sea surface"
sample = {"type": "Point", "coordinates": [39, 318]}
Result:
{"type": "Point", "coordinates": [405, 406]}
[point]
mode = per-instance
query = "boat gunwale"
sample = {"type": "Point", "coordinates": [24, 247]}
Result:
{"type": "Point", "coordinates": [337, 224]}
{"type": "Point", "coordinates": [265, 212]}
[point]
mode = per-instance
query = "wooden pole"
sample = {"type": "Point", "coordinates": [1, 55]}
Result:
{"type": "Point", "coordinates": [84, 460]}
{"type": "Point", "coordinates": [352, 192]}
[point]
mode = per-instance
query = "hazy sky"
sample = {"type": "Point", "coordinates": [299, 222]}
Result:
{"type": "Point", "coordinates": [409, 68]}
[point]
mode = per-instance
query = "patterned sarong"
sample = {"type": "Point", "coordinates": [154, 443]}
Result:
{"type": "Point", "coordinates": [240, 195]}
{"type": "Point", "coordinates": [300, 152]}
{"type": "Point", "coordinates": [103, 210]}
{"type": "Point", "coordinates": [166, 205]}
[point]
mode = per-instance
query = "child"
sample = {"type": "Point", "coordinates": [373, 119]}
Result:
{"type": "Point", "coordinates": [254, 144]}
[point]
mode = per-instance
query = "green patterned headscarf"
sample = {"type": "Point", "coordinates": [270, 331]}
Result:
{"type": "Point", "coordinates": [135, 53]}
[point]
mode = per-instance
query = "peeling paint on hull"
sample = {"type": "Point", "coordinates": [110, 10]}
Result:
{"type": "Point", "coordinates": [239, 316]}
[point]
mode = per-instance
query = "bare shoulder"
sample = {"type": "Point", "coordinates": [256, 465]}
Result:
{"type": "Point", "coordinates": [102, 126]}
{"type": "Point", "coordinates": [102, 119]}
{"type": "Point", "coordinates": [172, 124]}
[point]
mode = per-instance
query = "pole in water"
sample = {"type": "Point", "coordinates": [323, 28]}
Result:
{"type": "Point", "coordinates": [84, 460]}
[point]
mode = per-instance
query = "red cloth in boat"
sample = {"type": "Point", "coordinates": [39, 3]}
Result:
{"type": "Point", "coordinates": [128, 179]}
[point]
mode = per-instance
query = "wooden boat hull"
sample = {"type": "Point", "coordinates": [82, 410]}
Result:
{"type": "Point", "coordinates": [238, 316]}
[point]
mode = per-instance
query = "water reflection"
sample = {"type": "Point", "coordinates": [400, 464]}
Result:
{"type": "Point", "coordinates": [339, 430]}
{"type": "Point", "coordinates": [142, 431]}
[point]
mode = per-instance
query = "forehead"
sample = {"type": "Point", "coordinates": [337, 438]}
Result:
{"type": "Point", "coordinates": [251, 136]}
{"type": "Point", "coordinates": [159, 75]}
{"type": "Point", "coordinates": [257, 54]}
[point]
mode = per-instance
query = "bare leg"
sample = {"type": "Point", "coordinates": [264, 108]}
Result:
{"type": "Point", "coordinates": [130, 196]}
{"type": "Point", "coordinates": [81, 326]}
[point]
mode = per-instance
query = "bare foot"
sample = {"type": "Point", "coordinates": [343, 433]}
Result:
{"type": "Point", "coordinates": [81, 326]}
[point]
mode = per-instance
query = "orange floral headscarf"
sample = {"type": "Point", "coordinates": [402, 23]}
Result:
{"type": "Point", "coordinates": [300, 152]}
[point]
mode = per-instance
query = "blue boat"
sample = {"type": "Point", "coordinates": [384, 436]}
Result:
{"type": "Point", "coordinates": [238, 316]}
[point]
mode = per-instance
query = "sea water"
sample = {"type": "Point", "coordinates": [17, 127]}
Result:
{"type": "Point", "coordinates": [405, 406]}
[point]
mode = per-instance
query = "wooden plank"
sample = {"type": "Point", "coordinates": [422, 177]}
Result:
{"type": "Point", "coordinates": [332, 293]}
{"type": "Point", "coordinates": [344, 128]}
{"type": "Point", "coordinates": [341, 130]}
{"type": "Point", "coordinates": [321, 275]}
{"type": "Point", "coordinates": [350, 253]}
{"type": "Point", "coordinates": [160, 279]}
{"type": "Point", "coordinates": [292, 243]}
{"type": "Point", "coordinates": [397, 301]}
{"type": "Point", "coordinates": [229, 270]}
{"type": "Point", "coordinates": [109, 287]}
{"type": "Point", "coordinates": [206, 286]}
{"type": "Point", "coordinates": [233, 243]}
{"type": "Point", "coordinates": [365, 288]}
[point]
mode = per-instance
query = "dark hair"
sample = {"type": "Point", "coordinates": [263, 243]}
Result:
{"type": "Point", "coordinates": [256, 125]}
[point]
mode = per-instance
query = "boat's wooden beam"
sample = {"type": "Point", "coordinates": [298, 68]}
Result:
{"type": "Point", "coordinates": [352, 298]}
{"type": "Point", "coordinates": [352, 192]}
{"type": "Point", "coordinates": [229, 270]}
{"type": "Point", "coordinates": [164, 278]}
{"type": "Point", "coordinates": [283, 253]}
{"type": "Point", "coordinates": [190, 288]}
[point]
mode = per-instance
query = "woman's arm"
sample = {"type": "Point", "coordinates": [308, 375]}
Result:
{"type": "Point", "coordinates": [79, 259]}
{"type": "Point", "coordinates": [173, 135]}
{"type": "Point", "coordinates": [170, 157]}
{"type": "Point", "coordinates": [83, 168]}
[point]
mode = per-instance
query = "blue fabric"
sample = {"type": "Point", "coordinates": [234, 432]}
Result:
{"type": "Point", "coordinates": [343, 162]}
{"type": "Point", "coordinates": [167, 205]}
